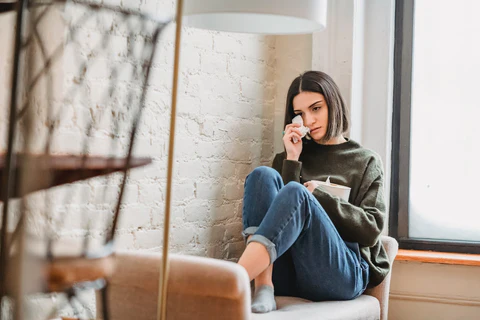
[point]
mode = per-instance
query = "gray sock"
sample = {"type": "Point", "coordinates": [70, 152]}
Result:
{"type": "Point", "coordinates": [263, 300]}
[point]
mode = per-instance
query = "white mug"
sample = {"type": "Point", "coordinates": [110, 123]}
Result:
{"type": "Point", "coordinates": [340, 191]}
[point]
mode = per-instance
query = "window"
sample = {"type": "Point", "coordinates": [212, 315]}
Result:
{"type": "Point", "coordinates": [436, 126]}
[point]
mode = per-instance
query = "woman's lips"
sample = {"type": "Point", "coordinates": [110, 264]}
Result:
{"type": "Point", "coordinates": [315, 130]}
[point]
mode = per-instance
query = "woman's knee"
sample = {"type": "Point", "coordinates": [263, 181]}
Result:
{"type": "Point", "coordinates": [264, 173]}
{"type": "Point", "coordinates": [294, 188]}
{"type": "Point", "coordinates": [295, 193]}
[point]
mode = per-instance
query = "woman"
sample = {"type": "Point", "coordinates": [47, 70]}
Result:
{"type": "Point", "coordinates": [301, 240]}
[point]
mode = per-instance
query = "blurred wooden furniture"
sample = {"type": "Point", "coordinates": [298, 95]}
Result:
{"type": "Point", "coordinates": [50, 76]}
{"type": "Point", "coordinates": [56, 170]}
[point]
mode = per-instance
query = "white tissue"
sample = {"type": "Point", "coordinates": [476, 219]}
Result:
{"type": "Point", "coordinates": [304, 130]}
{"type": "Point", "coordinates": [328, 180]}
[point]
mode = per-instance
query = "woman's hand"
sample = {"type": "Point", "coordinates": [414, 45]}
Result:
{"type": "Point", "coordinates": [311, 185]}
{"type": "Point", "coordinates": [293, 149]}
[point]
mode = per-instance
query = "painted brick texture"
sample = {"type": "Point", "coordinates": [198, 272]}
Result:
{"type": "Point", "coordinates": [231, 101]}
{"type": "Point", "coordinates": [224, 130]}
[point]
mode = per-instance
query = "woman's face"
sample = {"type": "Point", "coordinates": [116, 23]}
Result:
{"type": "Point", "coordinates": [314, 111]}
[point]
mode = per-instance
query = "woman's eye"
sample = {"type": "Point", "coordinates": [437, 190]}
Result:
{"type": "Point", "coordinates": [316, 108]}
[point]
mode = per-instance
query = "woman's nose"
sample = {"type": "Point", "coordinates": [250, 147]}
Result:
{"type": "Point", "coordinates": [309, 120]}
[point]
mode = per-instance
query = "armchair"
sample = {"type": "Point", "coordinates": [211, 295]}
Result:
{"type": "Point", "coordinates": [204, 288]}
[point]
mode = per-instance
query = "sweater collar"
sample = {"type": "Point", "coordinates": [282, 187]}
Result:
{"type": "Point", "coordinates": [349, 144]}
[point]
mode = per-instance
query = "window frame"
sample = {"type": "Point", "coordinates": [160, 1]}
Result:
{"type": "Point", "coordinates": [400, 156]}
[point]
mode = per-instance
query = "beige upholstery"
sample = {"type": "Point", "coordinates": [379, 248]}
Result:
{"type": "Point", "coordinates": [198, 288]}
{"type": "Point", "coordinates": [363, 308]}
{"type": "Point", "coordinates": [203, 288]}
{"type": "Point", "coordinates": [382, 291]}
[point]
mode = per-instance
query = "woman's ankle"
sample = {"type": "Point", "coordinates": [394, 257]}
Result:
{"type": "Point", "coordinates": [263, 282]}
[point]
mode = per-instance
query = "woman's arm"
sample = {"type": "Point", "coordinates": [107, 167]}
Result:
{"type": "Point", "coordinates": [363, 223]}
{"type": "Point", "coordinates": [286, 163]}
{"type": "Point", "coordinates": [288, 169]}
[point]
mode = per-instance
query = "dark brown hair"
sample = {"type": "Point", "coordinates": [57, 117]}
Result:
{"type": "Point", "coordinates": [317, 81]}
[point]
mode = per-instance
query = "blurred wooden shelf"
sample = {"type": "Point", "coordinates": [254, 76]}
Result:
{"type": "Point", "coordinates": [6, 6]}
{"type": "Point", "coordinates": [55, 170]}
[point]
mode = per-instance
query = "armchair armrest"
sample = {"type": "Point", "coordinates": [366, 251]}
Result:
{"type": "Point", "coordinates": [198, 288]}
{"type": "Point", "coordinates": [382, 291]}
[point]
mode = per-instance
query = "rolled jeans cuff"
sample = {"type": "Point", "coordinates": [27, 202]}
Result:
{"type": "Point", "coordinates": [248, 232]}
{"type": "Point", "coordinates": [269, 245]}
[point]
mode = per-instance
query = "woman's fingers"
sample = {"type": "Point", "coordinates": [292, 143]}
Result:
{"type": "Point", "coordinates": [294, 127]}
{"type": "Point", "coordinates": [289, 130]}
{"type": "Point", "coordinates": [292, 141]}
{"type": "Point", "coordinates": [297, 131]}
{"type": "Point", "coordinates": [291, 126]}
{"type": "Point", "coordinates": [309, 186]}
{"type": "Point", "coordinates": [290, 136]}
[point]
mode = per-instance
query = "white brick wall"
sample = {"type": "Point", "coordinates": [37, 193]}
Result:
{"type": "Point", "coordinates": [228, 98]}
{"type": "Point", "coordinates": [224, 130]}
{"type": "Point", "coordinates": [227, 111]}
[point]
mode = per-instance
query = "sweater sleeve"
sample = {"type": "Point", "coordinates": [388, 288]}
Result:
{"type": "Point", "coordinates": [363, 223]}
{"type": "Point", "coordinates": [288, 169]}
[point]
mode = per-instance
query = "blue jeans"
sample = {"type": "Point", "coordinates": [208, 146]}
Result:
{"type": "Point", "coordinates": [310, 259]}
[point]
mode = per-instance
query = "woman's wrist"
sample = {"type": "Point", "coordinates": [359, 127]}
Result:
{"type": "Point", "coordinates": [291, 157]}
